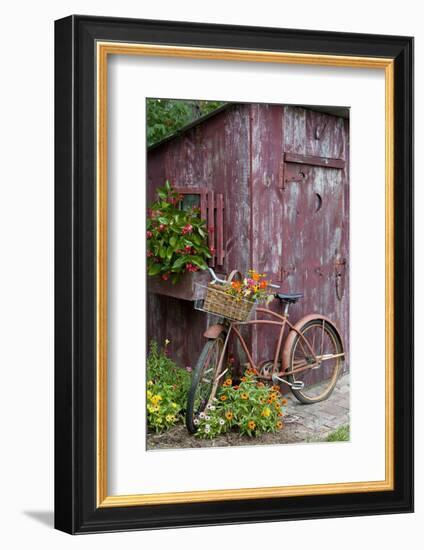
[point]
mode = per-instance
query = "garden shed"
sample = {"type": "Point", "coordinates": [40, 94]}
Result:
{"type": "Point", "coordinates": [272, 182]}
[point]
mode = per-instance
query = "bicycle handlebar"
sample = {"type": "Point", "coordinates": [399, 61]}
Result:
{"type": "Point", "coordinates": [218, 280]}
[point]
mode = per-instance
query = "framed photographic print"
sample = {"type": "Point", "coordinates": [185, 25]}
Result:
{"type": "Point", "coordinates": [233, 265]}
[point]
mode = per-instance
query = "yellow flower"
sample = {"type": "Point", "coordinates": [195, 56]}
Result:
{"type": "Point", "coordinates": [150, 383]}
{"type": "Point", "coordinates": [155, 399]}
{"type": "Point", "coordinates": [223, 398]}
{"type": "Point", "coordinates": [266, 412]}
{"type": "Point", "coordinates": [228, 382]}
{"type": "Point", "coordinates": [244, 396]}
{"type": "Point", "coordinates": [170, 418]}
{"type": "Point", "coordinates": [251, 425]}
{"type": "Point", "coordinates": [149, 394]}
{"type": "Point", "coordinates": [174, 406]}
{"type": "Point", "coordinates": [279, 424]}
{"type": "Point", "coordinates": [229, 415]}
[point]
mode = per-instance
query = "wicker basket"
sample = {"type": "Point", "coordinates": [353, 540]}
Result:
{"type": "Point", "coordinates": [220, 303]}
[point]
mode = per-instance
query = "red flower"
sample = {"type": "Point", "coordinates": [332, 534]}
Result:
{"type": "Point", "coordinates": [149, 234]}
{"type": "Point", "coordinates": [187, 229]}
{"type": "Point", "coordinates": [192, 268]}
{"type": "Point", "coordinates": [165, 276]}
{"type": "Point", "coordinates": [187, 248]}
{"type": "Point", "coordinates": [161, 227]}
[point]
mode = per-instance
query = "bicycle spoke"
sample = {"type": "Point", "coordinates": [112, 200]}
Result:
{"type": "Point", "coordinates": [317, 367]}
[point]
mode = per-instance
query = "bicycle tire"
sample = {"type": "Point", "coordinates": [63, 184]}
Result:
{"type": "Point", "coordinates": [308, 393]}
{"type": "Point", "coordinates": [193, 410]}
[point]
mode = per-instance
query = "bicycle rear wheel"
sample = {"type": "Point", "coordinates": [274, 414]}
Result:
{"type": "Point", "coordinates": [203, 379]}
{"type": "Point", "coordinates": [319, 377]}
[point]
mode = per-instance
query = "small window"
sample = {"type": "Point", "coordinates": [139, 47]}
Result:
{"type": "Point", "coordinates": [190, 201]}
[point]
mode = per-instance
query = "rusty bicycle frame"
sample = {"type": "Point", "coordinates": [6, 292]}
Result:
{"type": "Point", "coordinates": [281, 352]}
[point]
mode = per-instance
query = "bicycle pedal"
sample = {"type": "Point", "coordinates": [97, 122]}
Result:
{"type": "Point", "coordinates": [298, 385]}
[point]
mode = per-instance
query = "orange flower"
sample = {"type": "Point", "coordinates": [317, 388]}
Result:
{"type": "Point", "coordinates": [244, 396]}
{"type": "Point", "coordinates": [236, 387]}
{"type": "Point", "coordinates": [260, 384]}
{"type": "Point", "coordinates": [276, 406]}
{"type": "Point", "coordinates": [279, 424]}
{"type": "Point", "coordinates": [280, 414]}
{"type": "Point", "coordinates": [229, 415]}
{"type": "Point", "coordinates": [255, 276]}
{"type": "Point", "coordinates": [243, 379]}
{"type": "Point", "coordinates": [263, 284]}
{"type": "Point", "coordinates": [284, 401]}
{"type": "Point", "coordinates": [276, 388]}
{"type": "Point", "coordinates": [251, 425]}
{"type": "Point", "coordinates": [223, 398]}
{"type": "Point", "coordinates": [236, 285]}
{"type": "Point", "coordinates": [228, 382]}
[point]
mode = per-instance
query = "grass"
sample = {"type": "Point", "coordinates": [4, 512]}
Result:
{"type": "Point", "coordinates": [341, 434]}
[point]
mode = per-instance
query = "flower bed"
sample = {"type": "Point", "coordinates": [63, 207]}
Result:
{"type": "Point", "coordinates": [249, 407]}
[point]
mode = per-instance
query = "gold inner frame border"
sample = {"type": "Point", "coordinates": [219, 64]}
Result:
{"type": "Point", "coordinates": [103, 50]}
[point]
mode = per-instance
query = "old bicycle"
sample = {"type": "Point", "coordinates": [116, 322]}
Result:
{"type": "Point", "coordinates": [312, 344]}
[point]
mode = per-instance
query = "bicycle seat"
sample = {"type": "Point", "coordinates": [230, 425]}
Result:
{"type": "Point", "coordinates": [290, 298]}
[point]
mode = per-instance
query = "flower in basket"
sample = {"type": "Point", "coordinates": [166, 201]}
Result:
{"type": "Point", "coordinates": [254, 288]}
{"type": "Point", "coordinates": [177, 240]}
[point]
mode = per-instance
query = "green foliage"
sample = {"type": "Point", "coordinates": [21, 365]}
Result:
{"type": "Point", "coordinates": [166, 116]}
{"type": "Point", "coordinates": [176, 239]}
{"type": "Point", "coordinates": [251, 408]}
{"type": "Point", "coordinates": [341, 434]}
{"type": "Point", "coordinates": [167, 387]}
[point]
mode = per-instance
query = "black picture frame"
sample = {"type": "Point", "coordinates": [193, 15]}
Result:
{"type": "Point", "coordinates": [76, 508]}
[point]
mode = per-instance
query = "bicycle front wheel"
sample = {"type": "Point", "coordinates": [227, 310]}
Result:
{"type": "Point", "coordinates": [319, 376]}
{"type": "Point", "coordinates": [203, 379]}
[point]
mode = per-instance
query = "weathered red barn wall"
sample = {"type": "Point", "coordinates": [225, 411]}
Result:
{"type": "Point", "coordinates": [296, 231]}
{"type": "Point", "coordinates": [214, 155]}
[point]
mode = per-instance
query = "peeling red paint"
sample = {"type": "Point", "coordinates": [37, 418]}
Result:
{"type": "Point", "coordinates": [287, 219]}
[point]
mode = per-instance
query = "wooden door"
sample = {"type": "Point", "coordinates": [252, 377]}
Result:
{"type": "Point", "coordinates": [315, 236]}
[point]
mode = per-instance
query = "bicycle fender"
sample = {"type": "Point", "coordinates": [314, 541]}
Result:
{"type": "Point", "coordinates": [213, 331]}
{"type": "Point", "coordinates": [285, 355]}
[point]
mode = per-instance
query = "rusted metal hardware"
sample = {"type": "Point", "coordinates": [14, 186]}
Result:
{"type": "Point", "coordinates": [291, 171]}
{"type": "Point", "coordinates": [340, 273]}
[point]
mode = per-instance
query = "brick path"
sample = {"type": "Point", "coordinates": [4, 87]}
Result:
{"type": "Point", "coordinates": [319, 419]}
{"type": "Point", "coordinates": [303, 424]}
